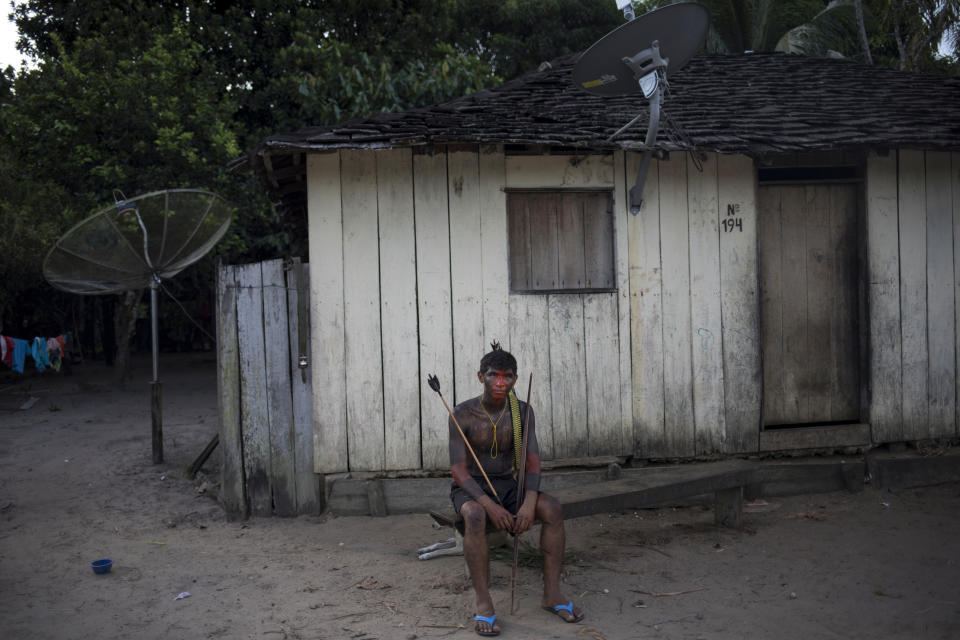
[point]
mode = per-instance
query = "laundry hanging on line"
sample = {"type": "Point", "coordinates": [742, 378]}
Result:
{"type": "Point", "coordinates": [45, 352]}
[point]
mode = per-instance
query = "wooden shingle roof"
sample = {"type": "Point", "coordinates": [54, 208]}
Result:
{"type": "Point", "coordinates": [753, 104]}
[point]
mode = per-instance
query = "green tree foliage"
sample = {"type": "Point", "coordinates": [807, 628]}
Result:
{"type": "Point", "coordinates": [98, 120]}
{"type": "Point", "coordinates": [91, 118]}
{"type": "Point", "coordinates": [903, 34]}
{"type": "Point", "coordinates": [515, 36]}
{"type": "Point", "coordinates": [263, 67]}
{"type": "Point", "coordinates": [908, 33]}
{"type": "Point", "coordinates": [798, 26]}
{"type": "Point", "coordinates": [141, 95]}
{"type": "Point", "coordinates": [30, 218]}
{"type": "Point", "coordinates": [344, 84]}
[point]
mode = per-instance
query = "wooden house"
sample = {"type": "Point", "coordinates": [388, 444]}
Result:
{"type": "Point", "coordinates": [790, 282]}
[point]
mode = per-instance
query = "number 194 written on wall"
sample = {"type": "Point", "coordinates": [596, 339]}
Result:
{"type": "Point", "coordinates": [733, 222]}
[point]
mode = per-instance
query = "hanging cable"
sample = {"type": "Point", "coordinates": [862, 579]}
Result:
{"type": "Point", "coordinates": [187, 313]}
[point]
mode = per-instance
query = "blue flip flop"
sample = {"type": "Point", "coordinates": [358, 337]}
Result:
{"type": "Point", "coordinates": [565, 607]}
{"type": "Point", "coordinates": [490, 620]}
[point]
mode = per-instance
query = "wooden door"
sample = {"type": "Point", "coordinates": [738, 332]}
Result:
{"type": "Point", "coordinates": [809, 304]}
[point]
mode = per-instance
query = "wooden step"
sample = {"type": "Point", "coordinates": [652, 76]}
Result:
{"type": "Point", "coordinates": [725, 480]}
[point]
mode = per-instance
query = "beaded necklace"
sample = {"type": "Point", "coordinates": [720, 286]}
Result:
{"type": "Point", "coordinates": [495, 447]}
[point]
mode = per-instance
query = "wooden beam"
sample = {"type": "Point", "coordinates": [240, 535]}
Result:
{"type": "Point", "coordinates": [657, 487]}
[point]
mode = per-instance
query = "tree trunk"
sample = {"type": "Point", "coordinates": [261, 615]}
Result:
{"type": "Point", "coordinates": [901, 49]}
{"type": "Point", "coordinates": [125, 321]}
{"type": "Point", "coordinates": [108, 329]}
{"type": "Point", "coordinates": [864, 41]}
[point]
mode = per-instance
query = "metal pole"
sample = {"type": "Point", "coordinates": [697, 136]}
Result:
{"type": "Point", "coordinates": [636, 191]}
{"type": "Point", "coordinates": [156, 406]}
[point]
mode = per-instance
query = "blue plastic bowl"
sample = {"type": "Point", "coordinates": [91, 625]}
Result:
{"type": "Point", "coordinates": [102, 566]}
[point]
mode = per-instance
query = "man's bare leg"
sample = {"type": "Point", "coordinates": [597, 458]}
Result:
{"type": "Point", "coordinates": [477, 553]}
{"type": "Point", "coordinates": [552, 542]}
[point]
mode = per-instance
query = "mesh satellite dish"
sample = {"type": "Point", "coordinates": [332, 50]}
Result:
{"type": "Point", "coordinates": [139, 243]}
{"type": "Point", "coordinates": [637, 57]}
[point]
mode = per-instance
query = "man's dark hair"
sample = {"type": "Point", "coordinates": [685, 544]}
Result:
{"type": "Point", "coordinates": [498, 359]}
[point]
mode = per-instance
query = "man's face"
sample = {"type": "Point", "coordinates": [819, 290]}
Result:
{"type": "Point", "coordinates": [497, 383]}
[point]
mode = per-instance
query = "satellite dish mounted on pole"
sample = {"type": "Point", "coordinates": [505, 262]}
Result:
{"type": "Point", "coordinates": [134, 244]}
{"type": "Point", "coordinates": [637, 57]}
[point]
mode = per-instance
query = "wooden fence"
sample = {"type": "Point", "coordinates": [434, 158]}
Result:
{"type": "Point", "coordinates": [266, 425]}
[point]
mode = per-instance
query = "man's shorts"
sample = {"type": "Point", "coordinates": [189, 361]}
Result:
{"type": "Point", "coordinates": [506, 488]}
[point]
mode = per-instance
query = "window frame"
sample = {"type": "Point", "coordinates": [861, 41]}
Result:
{"type": "Point", "coordinates": [589, 252]}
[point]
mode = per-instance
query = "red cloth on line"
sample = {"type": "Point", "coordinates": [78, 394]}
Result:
{"type": "Point", "coordinates": [8, 360]}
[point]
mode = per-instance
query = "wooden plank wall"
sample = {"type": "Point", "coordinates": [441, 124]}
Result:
{"type": "Point", "coordinates": [694, 308]}
{"type": "Point", "coordinates": [254, 416]}
{"type": "Point", "coordinates": [675, 349]}
{"type": "Point", "coordinates": [809, 283]}
{"type": "Point", "coordinates": [913, 226]}
{"type": "Point", "coordinates": [433, 302]}
{"type": "Point", "coordinates": [361, 311]}
{"type": "Point", "coordinates": [739, 303]}
{"type": "Point", "coordinates": [883, 274]}
{"type": "Point", "coordinates": [276, 356]}
{"type": "Point", "coordinates": [646, 314]}
{"type": "Point", "coordinates": [232, 494]}
{"type": "Point", "coordinates": [576, 344]}
{"type": "Point", "coordinates": [411, 278]}
{"type": "Point", "coordinates": [705, 305]}
{"type": "Point", "coordinates": [325, 237]}
{"type": "Point", "coordinates": [309, 497]}
{"type": "Point", "coordinates": [266, 425]}
{"type": "Point", "coordinates": [412, 267]}
{"type": "Point", "coordinates": [398, 308]}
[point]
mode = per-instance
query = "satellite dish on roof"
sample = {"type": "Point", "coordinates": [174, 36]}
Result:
{"type": "Point", "coordinates": [139, 243]}
{"type": "Point", "coordinates": [636, 57]}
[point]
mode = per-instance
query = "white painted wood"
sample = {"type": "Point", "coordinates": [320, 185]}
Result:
{"type": "Point", "coordinates": [940, 297]}
{"type": "Point", "coordinates": [846, 367]}
{"type": "Point", "coordinates": [739, 304]}
{"type": "Point", "coordinates": [823, 296]}
{"type": "Point", "coordinates": [809, 281]}
{"type": "Point", "coordinates": [708, 375]}
{"type": "Point", "coordinates": [601, 374]}
{"type": "Point", "coordinates": [530, 345]}
{"type": "Point", "coordinates": [621, 230]}
{"type": "Point", "coordinates": [283, 482]}
{"type": "Point", "coordinates": [328, 375]}
{"type": "Point", "coordinates": [913, 293]}
{"type": "Point", "coordinates": [493, 246]}
{"type": "Point", "coordinates": [361, 286]}
{"type": "Point", "coordinates": [309, 498]}
{"type": "Point", "coordinates": [571, 240]}
{"type": "Point", "coordinates": [228, 394]}
{"type": "Point", "coordinates": [675, 257]}
{"type": "Point", "coordinates": [466, 272]}
{"type": "Point", "coordinates": [433, 302]}
{"type": "Point", "coordinates": [793, 310]}
{"type": "Point", "coordinates": [559, 172]}
{"type": "Point", "coordinates": [646, 314]}
{"type": "Point", "coordinates": [883, 266]}
{"type": "Point", "coordinates": [770, 267]}
{"type": "Point", "coordinates": [398, 308]}
{"type": "Point", "coordinates": [567, 365]}
{"type": "Point", "coordinates": [253, 390]}
{"type": "Point", "coordinates": [955, 203]}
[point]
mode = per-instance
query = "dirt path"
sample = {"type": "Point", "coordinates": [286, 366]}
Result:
{"type": "Point", "coordinates": [77, 484]}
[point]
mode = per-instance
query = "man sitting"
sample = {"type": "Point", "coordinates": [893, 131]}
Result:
{"type": "Point", "coordinates": [488, 425]}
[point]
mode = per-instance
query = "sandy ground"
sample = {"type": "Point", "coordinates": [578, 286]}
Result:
{"type": "Point", "coordinates": [77, 484]}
